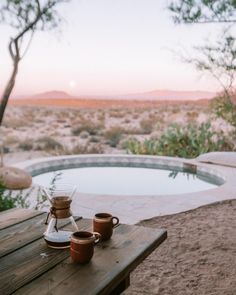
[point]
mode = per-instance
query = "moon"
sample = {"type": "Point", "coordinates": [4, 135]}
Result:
{"type": "Point", "coordinates": [72, 84]}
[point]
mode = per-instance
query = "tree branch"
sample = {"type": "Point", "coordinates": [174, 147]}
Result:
{"type": "Point", "coordinates": [28, 45]}
{"type": "Point", "coordinates": [10, 50]}
{"type": "Point", "coordinates": [39, 14]}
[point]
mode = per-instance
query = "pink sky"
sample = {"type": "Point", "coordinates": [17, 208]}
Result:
{"type": "Point", "coordinates": [109, 48]}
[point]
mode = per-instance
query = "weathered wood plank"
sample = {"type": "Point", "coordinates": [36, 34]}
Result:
{"type": "Point", "coordinates": [29, 262]}
{"type": "Point", "coordinates": [21, 234]}
{"type": "Point", "coordinates": [16, 215]}
{"type": "Point", "coordinates": [112, 263]}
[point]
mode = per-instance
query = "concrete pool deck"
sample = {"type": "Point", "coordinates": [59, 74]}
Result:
{"type": "Point", "coordinates": [131, 209]}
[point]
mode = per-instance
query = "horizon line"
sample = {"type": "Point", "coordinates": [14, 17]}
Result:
{"type": "Point", "coordinates": [66, 94]}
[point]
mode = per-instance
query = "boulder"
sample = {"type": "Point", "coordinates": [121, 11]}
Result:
{"type": "Point", "coordinates": [14, 178]}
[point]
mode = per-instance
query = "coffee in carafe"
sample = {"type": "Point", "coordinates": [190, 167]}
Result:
{"type": "Point", "coordinates": [60, 197]}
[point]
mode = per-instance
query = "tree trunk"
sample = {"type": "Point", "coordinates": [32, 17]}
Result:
{"type": "Point", "coordinates": [8, 90]}
{"type": "Point", "coordinates": [4, 101]}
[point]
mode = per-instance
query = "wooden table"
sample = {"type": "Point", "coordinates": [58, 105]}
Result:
{"type": "Point", "coordinates": [28, 266]}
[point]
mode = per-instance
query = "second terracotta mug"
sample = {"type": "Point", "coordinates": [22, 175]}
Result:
{"type": "Point", "coordinates": [104, 223]}
{"type": "Point", "coordinates": [82, 245]}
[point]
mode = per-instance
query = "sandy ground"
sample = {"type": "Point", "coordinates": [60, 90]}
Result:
{"type": "Point", "coordinates": [198, 258]}
{"type": "Point", "coordinates": [20, 156]}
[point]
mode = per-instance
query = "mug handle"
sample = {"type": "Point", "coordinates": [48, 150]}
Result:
{"type": "Point", "coordinates": [97, 237]}
{"type": "Point", "coordinates": [116, 221]}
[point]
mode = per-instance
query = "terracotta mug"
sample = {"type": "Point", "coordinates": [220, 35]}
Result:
{"type": "Point", "coordinates": [104, 223]}
{"type": "Point", "coordinates": [82, 245]}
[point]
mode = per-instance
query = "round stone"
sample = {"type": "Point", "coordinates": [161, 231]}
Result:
{"type": "Point", "coordinates": [14, 178]}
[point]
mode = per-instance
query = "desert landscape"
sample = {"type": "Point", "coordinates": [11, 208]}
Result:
{"type": "Point", "coordinates": [43, 127]}
{"type": "Point", "coordinates": [199, 255]}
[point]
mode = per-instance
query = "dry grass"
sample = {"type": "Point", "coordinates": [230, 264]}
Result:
{"type": "Point", "coordinates": [114, 135]}
{"type": "Point", "coordinates": [147, 125]}
{"type": "Point", "coordinates": [97, 126]}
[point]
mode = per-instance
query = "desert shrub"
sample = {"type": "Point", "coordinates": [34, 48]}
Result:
{"type": "Point", "coordinates": [136, 116]}
{"type": "Point", "coordinates": [77, 130]}
{"type": "Point", "coordinates": [114, 135]}
{"type": "Point", "coordinates": [132, 131]}
{"type": "Point", "coordinates": [63, 121]}
{"type": "Point", "coordinates": [192, 115]}
{"type": "Point", "coordinates": [79, 149]}
{"type": "Point", "coordinates": [87, 149]}
{"type": "Point", "coordinates": [101, 116]}
{"type": "Point", "coordinates": [175, 110]}
{"type": "Point", "coordinates": [126, 121]}
{"type": "Point", "coordinates": [39, 120]}
{"type": "Point", "coordinates": [15, 122]}
{"type": "Point", "coordinates": [187, 142]}
{"type": "Point", "coordinates": [84, 134]}
{"type": "Point", "coordinates": [224, 108]}
{"type": "Point", "coordinates": [46, 143]}
{"type": "Point", "coordinates": [116, 113]}
{"type": "Point", "coordinates": [147, 125]}
{"type": "Point", "coordinates": [88, 126]}
{"type": "Point", "coordinates": [6, 149]}
{"type": "Point", "coordinates": [157, 118]}
{"type": "Point", "coordinates": [25, 146]}
{"type": "Point", "coordinates": [10, 140]}
{"type": "Point", "coordinates": [94, 139]}
{"type": "Point", "coordinates": [96, 149]}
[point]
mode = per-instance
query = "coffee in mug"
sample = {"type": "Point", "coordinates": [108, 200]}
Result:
{"type": "Point", "coordinates": [104, 223]}
{"type": "Point", "coordinates": [82, 245]}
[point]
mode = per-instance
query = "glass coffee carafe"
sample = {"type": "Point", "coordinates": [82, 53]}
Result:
{"type": "Point", "coordinates": [60, 215]}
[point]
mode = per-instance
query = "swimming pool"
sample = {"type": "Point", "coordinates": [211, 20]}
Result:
{"type": "Point", "coordinates": [133, 208]}
{"type": "Point", "coordinates": [130, 180]}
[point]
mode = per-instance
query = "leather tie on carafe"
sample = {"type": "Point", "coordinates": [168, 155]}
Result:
{"type": "Point", "coordinates": [53, 213]}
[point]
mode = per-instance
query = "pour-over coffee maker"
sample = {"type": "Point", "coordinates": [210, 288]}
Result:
{"type": "Point", "coordinates": [60, 198]}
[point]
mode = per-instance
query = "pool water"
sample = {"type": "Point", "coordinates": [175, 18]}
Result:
{"type": "Point", "coordinates": [128, 181]}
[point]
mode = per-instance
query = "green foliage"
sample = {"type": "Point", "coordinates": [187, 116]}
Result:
{"type": "Point", "coordinates": [219, 60]}
{"type": "Point", "coordinates": [186, 142]}
{"type": "Point", "coordinates": [224, 108]}
{"type": "Point", "coordinates": [6, 202]}
{"type": "Point", "coordinates": [203, 11]}
{"type": "Point", "coordinates": [10, 199]}
{"type": "Point", "coordinates": [37, 15]}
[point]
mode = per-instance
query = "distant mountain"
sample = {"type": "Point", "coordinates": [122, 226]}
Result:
{"type": "Point", "coordinates": [52, 95]}
{"type": "Point", "coordinates": [171, 95]}
{"type": "Point", "coordinates": [156, 95]}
